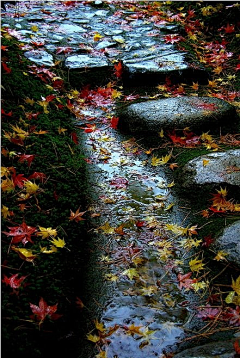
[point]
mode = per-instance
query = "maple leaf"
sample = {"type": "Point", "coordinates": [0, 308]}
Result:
{"type": "Point", "coordinates": [74, 137]}
{"type": "Point", "coordinates": [7, 185]}
{"type": "Point", "coordinates": [20, 233]}
{"type": "Point", "coordinates": [43, 310]}
{"type": "Point", "coordinates": [119, 183]}
{"type": "Point", "coordinates": [220, 256]}
{"type": "Point", "coordinates": [236, 285]}
{"type": "Point", "coordinates": [58, 242]}
{"type": "Point", "coordinates": [46, 232]}
{"type": "Point", "coordinates": [114, 122]}
{"type": "Point", "coordinates": [6, 212]}
{"type": "Point", "coordinates": [6, 68]}
{"type": "Point", "coordinates": [24, 254]}
{"type": "Point", "coordinates": [208, 312]}
{"type": "Point", "coordinates": [93, 338]}
{"type": "Point", "coordinates": [185, 281]}
{"type": "Point", "coordinates": [131, 330]}
{"type": "Point", "coordinates": [77, 216]}
{"type": "Point", "coordinates": [31, 188]}
{"type": "Point", "coordinates": [233, 316]}
{"type": "Point", "coordinates": [229, 29]}
{"type": "Point", "coordinates": [26, 157]}
{"type": "Point", "coordinates": [196, 265]}
{"type": "Point", "coordinates": [107, 229]}
{"type": "Point", "coordinates": [13, 281]}
{"type": "Point", "coordinates": [37, 175]}
{"type": "Point", "coordinates": [118, 69]}
{"type": "Point", "coordinates": [131, 273]}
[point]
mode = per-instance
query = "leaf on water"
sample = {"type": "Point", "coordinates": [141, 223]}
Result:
{"type": "Point", "coordinates": [131, 273]}
{"type": "Point", "coordinates": [107, 229]}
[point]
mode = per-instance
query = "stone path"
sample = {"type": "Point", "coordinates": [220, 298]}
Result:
{"type": "Point", "coordinates": [142, 311]}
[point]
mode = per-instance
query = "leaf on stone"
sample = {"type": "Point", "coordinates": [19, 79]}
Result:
{"type": "Point", "coordinates": [107, 229]}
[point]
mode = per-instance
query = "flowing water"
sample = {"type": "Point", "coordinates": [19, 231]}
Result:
{"type": "Point", "coordinates": [138, 309]}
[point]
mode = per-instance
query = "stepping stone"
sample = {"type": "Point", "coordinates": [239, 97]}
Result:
{"type": "Point", "coordinates": [222, 168]}
{"type": "Point", "coordinates": [198, 113]}
{"type": "Point", "coordinates": [229, 242]}
{"type": "Point", "coordinates": [40, 57]}
{"type": "Point", "coordinates": [85, 61]}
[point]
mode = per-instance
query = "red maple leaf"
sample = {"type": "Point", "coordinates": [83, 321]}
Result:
{"type": "Point", "coordinates": [6, 68]}
{"type": "Point", "coordinates": [37, 175]}
{"type": "Point", "coordinates": [9, 114]}
{"type": "Point", "coordinates": [26, 157]}
{"type": "Point", "coordinates": [43, 310]}
{"type": "Point", "coordinates": [172, 38]}
{"type": "Point", "coordinates": [229, 29]}
{"type": "Point", "coordinates": [22, 233]}
{"type": "Point", "coordinates": [233, 316]}
{"type": "Point", "coordinates": [74, 137]}
{"type": "Point", "coordinates": [119, 183]}
{"type": "Point", "coordinates": [185, 281]}
{"type": "Point", "coordinates": [114, 122]}
{"type": "Point", "coordinates": [13, 281]}
{"type": "Point", "coordinates": [208, 312]}
{"type": "Point", "coordinates": [207, 241]}
{"type": "Point", "coordinates": [118, 69]}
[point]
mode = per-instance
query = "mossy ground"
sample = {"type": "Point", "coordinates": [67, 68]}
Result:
{"type": "Point", "coordinates": [57, 277]}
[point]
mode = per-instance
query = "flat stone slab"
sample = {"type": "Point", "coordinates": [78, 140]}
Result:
{"type": "Point", "coordinates": [40, 57]}
{"type": "Point", "coordinates": [213, 168]}
{"type": "Point", "coordinates": [178, 112]}
{"type": "Point", "coordinates": [85, 61]}
{"type": "Point", "coordinates": [229, 242]}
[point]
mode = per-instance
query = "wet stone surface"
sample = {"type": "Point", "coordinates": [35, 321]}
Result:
{"type": "Point", "coordinates": [221, 168]}
{"type": "Point", "coordinates": [139, 43]}
{"type": "Point", "coordinates": [180, 112]}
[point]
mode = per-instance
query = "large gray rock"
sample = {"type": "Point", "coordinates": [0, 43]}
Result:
{"type": "Point", "coordinates": [178, 112]}
{"type": "Point", "coordinates": [221, 349]}
{"type": "Point", "coordinates": [40, 57]}
{"type": "Point", "coordinates": [229, 242]}
{"type": "Point", "coordinates": [213, 168]}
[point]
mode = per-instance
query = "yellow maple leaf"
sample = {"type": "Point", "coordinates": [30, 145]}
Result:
{"type": "Point", "coordinates": [31, 188]}
{"type": "Point", "coordinates": [34, 28]}
{"type": "Point", "coordinates": [61, 130]}
{"type": "Point", "coordinates": [196, 265]}
{"type": "Point", "coordinates": [220, 256]}
{"type": "Point", "coordinates": [102, 354]}
{"type": "Point", "coordinates": [195, 86]}
{"type": "Point", "coordinates": [131, 273]}
{"type": "Point", "coordinates": [236, 285]}
{"type": "Point", "coordinates": [155, 161]}
{"type": "Point", "coordinates": [199, 285]}
{"type": "Point", "coordinates": [46, 232]}
{"type": "Point", "coordinates": [178, 230]}
{"type": "Point", "coordinates": [131, 330]}
{"type": "Point", "coordinates": [24, 254]}
{"type": "Point", "coordinates": [5, 212]}
{"type": "Point", "coordinates": [97, 37]}
{"type": "Point", "coordinates": [58, 242]}
{"type": "Point", "coordinates": [99, 325]}
{"type": "Point", "coordinates": [93, 337]}
{"type": "Point", "coordinates": [205, 162]}
{"type": "Point", "coordinates": [29, 101]}
{"type": "Point", "coordinates": [7, 185]}
{"type": "Point", "coordinates": [45, 250]}
{"type": "Point", "coordinates": [107, 229]}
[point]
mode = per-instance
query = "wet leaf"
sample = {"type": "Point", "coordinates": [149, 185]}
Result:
{"type": "Point", "coordinates": [46, 232]}
{"type": "Point", "coordinates": [236, 285]}
{"type": "Point", "coordinates": [196, 265]}
{"type": "Point", "coordinates": [58, 242]}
